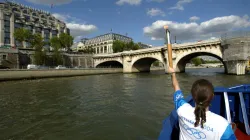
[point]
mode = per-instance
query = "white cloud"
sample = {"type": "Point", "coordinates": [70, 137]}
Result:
{"type": "Point", "coordinates": [81, 29]}
{"type": "Point", "coordinates": [194, 18]}
{"type": "Point", "coordinates": [192, 30]}
{"type": "Point", "coordinates": [130, 2]}
{"type": "Point", "coordinates": [49, 2]}
{"type": "Point", "coordinates": [61, 17]}
{"type": "Point", "coordinates": [155, 12]}
{"type": "Point", "coordinates": [156, 1]}
{"type": "Point", "coordinates": [180, 3]}
{"type": "Point", "coordinates": [76, 29]}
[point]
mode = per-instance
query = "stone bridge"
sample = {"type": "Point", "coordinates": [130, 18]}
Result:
{"type": "Point", "coordinates": [141, 60]}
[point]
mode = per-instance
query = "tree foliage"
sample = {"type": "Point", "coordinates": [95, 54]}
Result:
{"type": "Point", "coordinates": [40, 57]}
{"type": "Point", "coordinates": [196, 61]}
{"type": "Point", "coordinates": [21, 35]}
{"type": "Point", "coordinates": [212, 61]}
{"type": "Point", "coordinates": [36, 40]}
{"type": "Point", "coordinates": [119, 46]}
{"type": "Point", "coordinates": [56, 45]}
{"type": "Point", "coordinates": [66, 41]}
{"type": "Point", "coordinates": [37, 43]}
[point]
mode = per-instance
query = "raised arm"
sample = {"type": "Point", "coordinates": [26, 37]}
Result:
{"type": "Point", "coordinates": [174, 79]}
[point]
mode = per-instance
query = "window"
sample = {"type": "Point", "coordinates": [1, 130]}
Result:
{"type": "Point", "coordinates": [27, 18]}
{"type": "Point", "coordinates": [6, 40]}
{"type": "Point", "coordinates": [18, 25]}
{"type": "Point", "coordinates": [7, 35]}
{"type": "Point", "coordinates": [25, 12]}
{"type": "Point", "coordinates": [4, 57]}
{"type": "Point", "coordinates": [6, 23]}
{"type": "Point", "coordinates": [7, 17]}
{"type": "Point", "coordinates": [17, 15]}
{"type": "Point", "coordinates": [28, 45]}
{"type": "Point", "coordinates": [46, 36]}
{"type": "Point", "coordinates": [18, 43]}
{"type": "Point", "coordinates": [6, 29]}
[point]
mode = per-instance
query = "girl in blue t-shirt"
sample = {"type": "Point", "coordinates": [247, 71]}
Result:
{"type": "Point", "coordinates": [198, 122]}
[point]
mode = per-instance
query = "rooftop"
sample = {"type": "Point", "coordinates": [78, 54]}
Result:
{"type": "Point", "coordinates": [12, 3]}
{"type": "Point", "coordinates": [108, 34]}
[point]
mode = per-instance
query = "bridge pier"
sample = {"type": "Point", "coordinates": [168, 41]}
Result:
{"type": "Point", "coordinates": [237, 67]}
{"type": "Point", "coordinates": [127, 64]}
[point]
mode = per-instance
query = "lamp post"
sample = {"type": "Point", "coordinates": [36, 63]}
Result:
{"type": "Point", "coordinates": [168, 42]}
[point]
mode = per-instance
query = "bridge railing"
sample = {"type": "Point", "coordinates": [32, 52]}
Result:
{"type": "Point", "coordinates": [195, 43]}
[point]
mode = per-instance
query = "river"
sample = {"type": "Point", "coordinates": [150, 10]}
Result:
{"type": "Point", "coordinates": [99, 107]}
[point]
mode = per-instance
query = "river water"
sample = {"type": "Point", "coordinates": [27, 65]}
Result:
{"type": "Point", "coordinates": [99, 107]}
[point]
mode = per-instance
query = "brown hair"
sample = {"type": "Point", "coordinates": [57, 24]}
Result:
{"type": "Point", "coordinates": [202, 92]}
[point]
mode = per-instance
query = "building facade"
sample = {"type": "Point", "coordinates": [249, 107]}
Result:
{"type": "Point", "coordinates": [14, 15]}
{"type": "Point", "coordinates": [102, 44]}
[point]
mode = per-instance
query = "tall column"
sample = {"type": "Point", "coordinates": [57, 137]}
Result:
{"type": "Point", "coordinates": [103, 49]}
{"type": "Point", "coordinates": [86, 62]}
{"type": "Point", "coordinates": [12, 28]}
{"type": "Point", "coordinates": [1, 28]}
{"type": "Point", "coordinates": [17, 60]}
{"type": "Point", "coordinates": [95, 50]}
{"type": "Point", "coordinates": [71, 61]}
{"type": "Point", "coordinates": [50, 34]}
{"type": "Point", "coordinates": [111, 48]}
{"type": "Point", "coordinates": [34, 30]}
{"type": "Point", "coordinates": [79, 61]}
{"type": "Point", "coordinates": [42, 33]}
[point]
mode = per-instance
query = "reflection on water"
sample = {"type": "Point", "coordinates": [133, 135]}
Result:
{"type": "Point", "coordinates": [109, 107]}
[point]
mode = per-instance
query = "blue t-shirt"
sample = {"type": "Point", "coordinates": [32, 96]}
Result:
{"type": "Point", "coordinates": [215, 128]}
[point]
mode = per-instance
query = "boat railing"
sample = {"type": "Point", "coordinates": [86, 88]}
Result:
{"type": "Point", "coordinates": [240, 90]}
{"type": "Point", "coordinates": [232, 103]}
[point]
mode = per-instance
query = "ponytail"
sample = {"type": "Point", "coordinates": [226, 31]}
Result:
{"type": "Point", "coordinates": [200, 115]}
{"type": "Point", "coordinates": [203, 93]}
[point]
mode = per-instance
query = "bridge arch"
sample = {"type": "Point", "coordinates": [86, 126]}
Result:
{"type": "Point", "coordinates": [109, 64]}
{"type": "Point", "coordinates": [181, 61]}
{"type": "Point", "coordinates": [143, 64]}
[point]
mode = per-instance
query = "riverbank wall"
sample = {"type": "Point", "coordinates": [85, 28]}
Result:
{"type": "Point", "coordinates": [8, 75]}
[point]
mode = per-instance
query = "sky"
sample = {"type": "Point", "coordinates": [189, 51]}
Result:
{"type": "Point", "coordinates": [143, 20]}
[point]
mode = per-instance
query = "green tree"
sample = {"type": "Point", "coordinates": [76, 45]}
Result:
{"type": "Point", "coordinates": [37, 43]}
{"type": "Point", "coordinates": [22, 35]}
{"type": "Point", "coordinates": [66, 41]}
{"type": "Point", "coordinates": [119, 46]}
{"type": "Point", "coordinates": [56, 45]}
{"type": "Point", "coordinates": [196, 61]}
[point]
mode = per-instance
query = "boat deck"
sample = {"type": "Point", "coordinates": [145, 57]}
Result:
{"type": "Point", "coordinates": [231, 103]}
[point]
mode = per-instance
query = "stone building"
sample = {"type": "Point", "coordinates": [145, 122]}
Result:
{"type": "Point", "coordinates": [102, 44]}
{"type": "Point", "coordinates": [14, 15]}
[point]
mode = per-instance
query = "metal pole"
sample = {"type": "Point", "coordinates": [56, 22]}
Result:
{"type": "Point", "coordinates": [170, 59]}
